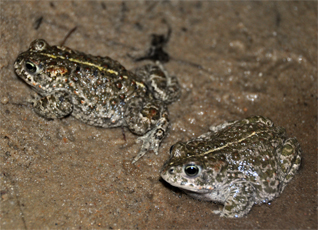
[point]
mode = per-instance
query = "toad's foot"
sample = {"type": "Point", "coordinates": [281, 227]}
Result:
{"type": "Point", "coordinates": [164, 87]}
{"type": "Point", "coordinates": [152, 139]}
{"type": "Point", "coordinates": [240, 200]}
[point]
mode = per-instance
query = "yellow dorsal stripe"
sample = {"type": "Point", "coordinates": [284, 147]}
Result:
{"type": "Point", "coordinates": [224, 146]}
{"type": "Point", "coordinates": [90, 64]}
{"type": "Point", "coordinates": [82, 62]}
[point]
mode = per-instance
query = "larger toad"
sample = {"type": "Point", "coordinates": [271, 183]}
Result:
{"type": "Point", "coordinates": [237, 163]}
{"type": "Point", "coordinates": [99, 91]}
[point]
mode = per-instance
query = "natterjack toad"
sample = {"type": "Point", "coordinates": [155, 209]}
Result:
{"type": "Point", "coordinates": [238, 164]}
{"type": "Point", "coordinates": [99, 91]}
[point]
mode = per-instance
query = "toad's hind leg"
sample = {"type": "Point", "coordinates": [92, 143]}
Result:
{"type": "Point", "coordinates": [163, 86]}
{"type": "Point", "coordinates": [149, 119]}
{"type": "Point", "coordinates": [289, 159]}
{"type": "Point", "coordinates": [56, 105]}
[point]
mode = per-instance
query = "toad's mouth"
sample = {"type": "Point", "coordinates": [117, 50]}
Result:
{"type": "Point", "coordinates": [190, 192]}
{"type": "Point", "coordinates": [189, 186]}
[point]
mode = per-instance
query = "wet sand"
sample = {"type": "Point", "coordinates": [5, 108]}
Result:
{"type": "Point", "coordinates": [232, 59]}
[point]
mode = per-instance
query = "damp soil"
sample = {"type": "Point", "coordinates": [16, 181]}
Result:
{"type": "Point", "coordinates": [232, 59]}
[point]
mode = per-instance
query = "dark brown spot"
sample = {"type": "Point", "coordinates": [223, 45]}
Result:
{"type": "Point", "coordinates": [153, 112]}
{"type": "Point", "coordinates": [236, 156]}
{"type": "Point", "coordinates": [119, 85]}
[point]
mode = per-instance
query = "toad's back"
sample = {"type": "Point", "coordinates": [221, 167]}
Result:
{"type": "Point", "coordinates": [248, 149]}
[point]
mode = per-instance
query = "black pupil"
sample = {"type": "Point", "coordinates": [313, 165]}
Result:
{"type": "Point", "coordinates": [191, 170]}
{"type": "Point", "coordinates": [30, 67]}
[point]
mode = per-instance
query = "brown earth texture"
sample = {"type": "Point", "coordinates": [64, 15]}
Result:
{"type": "Point", "coordinates": [232, 59]}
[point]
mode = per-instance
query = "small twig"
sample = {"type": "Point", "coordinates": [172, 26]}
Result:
{"type": "Point", "coordinates": [38, 22]}
{"type": "Point", "coordinates": [67, 36]}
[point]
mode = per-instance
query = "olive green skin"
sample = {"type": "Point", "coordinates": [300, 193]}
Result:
{"type": "Point", "coordinates": [99, 91]}
{"type": "Point", "coordinates": [237, 163]}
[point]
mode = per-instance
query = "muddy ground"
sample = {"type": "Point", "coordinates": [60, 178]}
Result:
{"type": "Point", "coordinates": [232, 59]}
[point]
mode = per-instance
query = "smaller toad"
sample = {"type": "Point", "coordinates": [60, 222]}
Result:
{"type": "Point", "coordinates": [238, 164]}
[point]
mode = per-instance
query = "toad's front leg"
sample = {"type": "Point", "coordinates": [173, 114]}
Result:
{"type": "Point", "coordinates": [56, 105]}
{"type": "Point", "coordinates": [239, 202]}
{"type": "Point", "coordinates": [149, 119]}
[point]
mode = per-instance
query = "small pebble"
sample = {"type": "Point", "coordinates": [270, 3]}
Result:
{"type": "Point", "coordinates": [4, 100]}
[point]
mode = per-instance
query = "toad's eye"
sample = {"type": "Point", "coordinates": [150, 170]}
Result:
{"type": "Point", "coordinates": [191, 170]}
{"type": "Point", "coordinates": [30, 67]}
